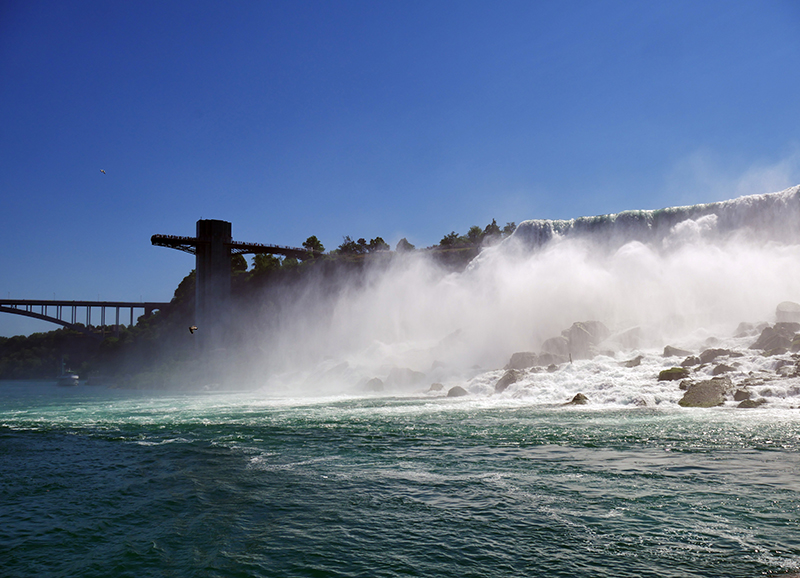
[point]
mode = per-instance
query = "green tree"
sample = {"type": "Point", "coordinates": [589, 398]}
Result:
{"type": "Point", "coordinates": [238, 264]}
{"type": "Point", "coordinates": [403, 246]}
{"type": "Point", "coordinates": [450, 240]}
{"type": "Point", "coordinates": [264, 262]}
{"type": "Point", "coordinates": [348, 246]}
{"type": "Point", "coordinates": [475, 235]}
{"type": "Point", "coordinates": [378, 244]}
{"type": "Point", "coordinates": [314, 245]}
{"type": "Point", "coordinates": [492, 229]}
{"type": "Point", "coordinates": [509, 228]}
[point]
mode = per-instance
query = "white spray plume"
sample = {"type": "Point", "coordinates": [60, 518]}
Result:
{"type": "Point", "coordinates": [669, 272]}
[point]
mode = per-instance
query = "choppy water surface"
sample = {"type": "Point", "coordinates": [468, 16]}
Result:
{"type": "Point", "coordinates": [104, 483]}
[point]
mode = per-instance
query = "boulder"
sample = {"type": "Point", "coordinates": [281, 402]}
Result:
{"type": "Point", "coordinates": [787, 311]}
{"type": "Point", "coordinates": [670, 351]}
{"type": "Point", "coordinates": [690, 361]}
{"type": "Point", "coordinates": [583, 337]}
{"type": "Point", "coordinates": [509, 377]}
{"type": "Point", "coordinates": [722, 368]}
{"type": "Point", "coordinates": [579, 399]}
{"type": "Point", "coordinates": [780, 336]}
{"type": "Point", "coordinates": [374, 384]}
{"type": "Point", "coordinates": [548, 359]}
{"type": "Point", "coordinates": [457, 391]}
{"type": "Point", "coordinates": [741, 395]}
{"type": "Point", "coordinates": [635, 362]}
{"type": "Point", "coordinates": [751, 403]}
{"type": "Point", "coordinates": [556, 346]}
{"type": "Point", "coordinates": [710, 355]}
{"type": "Point", "coordinates": [745, 329]}
{"type": "Point", "coordinates": [402, 376]}
{"type": "Point", "coordinates": [436, 387]}
{"type": "Point", "coordinates": [710, 393]}
{"type": "Point", "coordinates": [523, 360]}
{"type": "Point", "coordinates": [673, 374]}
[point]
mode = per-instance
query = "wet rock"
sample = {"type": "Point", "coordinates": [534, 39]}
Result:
{"type": "Point", "coordinates": [635, 362]}
{"type": "Point", "coordinates": [741, 395]}
{"type": "Point", "coordinates": [457, 391]}
{"type": "Point", "coordinates": [552, 368]}
{"type": "Point", "coordinates": [670, 351]}
{"type": "Point", "coordinates": [374, 384]}
{"type": "Point", "coordinates": [709, 393]}
{"type": "Point", "coordinates": [548, 359]}
{"type": "Point", "coordinates": [579, 399]}
{"type": "Point", "coordinates": [556, 346]}
{"type": "Point", "coordinates": [583, 337]}
{"type": "Point", "coordinates": [787, 311]}
{"type": "Point", "coordinates": [780, 336]}
{"type": "Point", "coordinates": [690, 361]}
{"type": "Point", "coordinates": [685, 384]}
{"type": "Point", "coordinates": [673, 374]}
{"type": "Point", "coordinates": [722, 368]}
{"type": "Point", "coordinates": [745, 329]}
{"type": "Point", "coordinates": [795, 343]}
{"type": "Point", "coordinates": [523, 360]}
{"type": "Point", "coordinates": [751, 403]}
{"type": "Point", "coordinates": [710, 355]}
{"type": "Point", "coordinates": [402, 376]}
{"type": "Point", "coordinates": [509, 377]}
{"type": "Point", "coordinates": [436, 387]}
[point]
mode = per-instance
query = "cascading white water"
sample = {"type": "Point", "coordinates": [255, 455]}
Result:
{"type": "Point", "coordinates": [680, 275]}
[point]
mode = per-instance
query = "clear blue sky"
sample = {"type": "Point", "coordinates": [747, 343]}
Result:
{"type": "Point", "coordinates": [367, 118]}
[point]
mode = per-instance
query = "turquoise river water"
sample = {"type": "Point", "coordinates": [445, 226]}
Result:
{"type": "Point", "coordinates": [97, 482]}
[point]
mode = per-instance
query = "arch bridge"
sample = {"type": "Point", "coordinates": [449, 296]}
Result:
{"type": "Point", "coordinates": [72, 313]}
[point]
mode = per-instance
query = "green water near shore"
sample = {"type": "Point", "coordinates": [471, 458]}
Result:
{"type": "Point", "coordinates": [109, 483]}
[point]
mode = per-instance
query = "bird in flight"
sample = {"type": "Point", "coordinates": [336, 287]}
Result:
{"type": "Point", "coordinates": [192, 329]}
{"type": "Point", "coordinates": [102, 171]}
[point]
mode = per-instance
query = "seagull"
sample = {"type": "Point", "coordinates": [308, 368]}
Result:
{"type": "Point", "coordinates": [192, 329]}
{"type": "Point", "coordinates": [102, 171]}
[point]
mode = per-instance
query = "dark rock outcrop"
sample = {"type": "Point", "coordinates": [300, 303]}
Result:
{"type": "Point", "coordinates": [509, 377]}
{"type": "Point", "coordinates": [583, 337]}
{"type": "Point", "coordinates": [670, 351]}
{"type": "Point", "coordinates": [710, 355]}
{"type": "Point", "coordinates": [710, 393]}
{"type": "Point", "coordinates": [457, 391]}
{"type": "Point", "coordinates": [690, 361]}
{"type": "Point", "coordinates": [436, 387]}
{"type": "Point", "coordinates": [779, 336]}
{"type": "Point", "coordinates": [673, 374]}
{"type": "Point", "coordinates": [752, 403]}
{"type": "Point", "coordinates": [579, 399]}
{"type": "Point", "coordinates": [523, 360]}
{"type": "Point", "coordinates": [374, 384]}
{"type": "Point", "coordinates": [556, 346]}
{"type": "Point", "coordinates": [741, 395]}
{"type": "Point", "coordinates": [722, 368]}
{"type": "Point", "coordinates": [635, 362]}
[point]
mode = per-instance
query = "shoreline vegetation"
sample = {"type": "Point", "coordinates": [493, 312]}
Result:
{"type": "Point", "coordinates": [155, 350]}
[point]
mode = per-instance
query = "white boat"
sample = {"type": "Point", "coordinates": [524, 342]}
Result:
{"type": "Point", "coordinates": [67, 377]}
